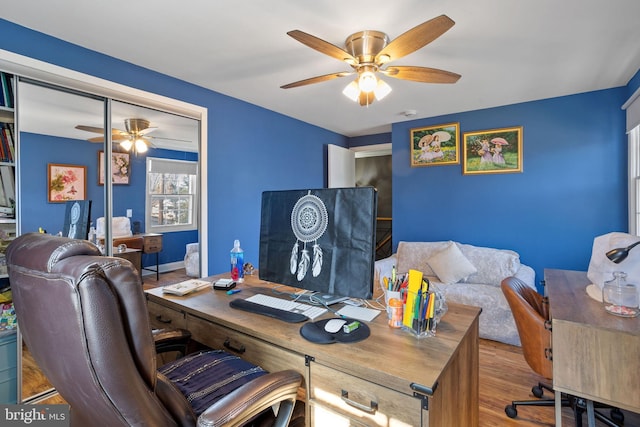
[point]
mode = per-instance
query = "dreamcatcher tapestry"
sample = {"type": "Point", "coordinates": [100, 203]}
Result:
{"type": "Point", "coordinates": [322, 240]}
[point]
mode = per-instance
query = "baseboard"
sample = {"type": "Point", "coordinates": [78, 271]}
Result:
{"type": "Point", "coordinates": [171, 266]}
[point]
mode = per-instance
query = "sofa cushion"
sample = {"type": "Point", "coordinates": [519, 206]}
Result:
{"type": "Point", "coordinates": [450, 264]}
{"type": "Point", "coordinates": [492, 265]}
{"type": "Point", "coordinates": [414, 256]}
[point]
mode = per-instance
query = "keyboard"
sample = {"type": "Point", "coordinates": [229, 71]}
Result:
{"type": "Point", "coordinates": [287, 310]}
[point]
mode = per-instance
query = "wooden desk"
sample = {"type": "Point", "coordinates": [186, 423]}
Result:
{"type": "Point", "coordinates": [596, 355]}
{"type": "Point", "coordinates": [389, 379]}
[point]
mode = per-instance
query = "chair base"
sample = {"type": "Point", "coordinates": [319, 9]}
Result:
{"type": "Point", "coordinates": [578, 405]}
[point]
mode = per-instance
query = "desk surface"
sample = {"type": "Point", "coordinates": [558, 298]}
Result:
{"type": "Point", "coordinates": [596, 355]}
{"type": "Point", "coordinates": [570, 302]}
{"type": "Point", "coordinates": [393, 357]}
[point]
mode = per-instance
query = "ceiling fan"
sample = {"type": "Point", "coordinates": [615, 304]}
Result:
{"type": "Point", "coordinates": [135, 136]}
{"type": "Point", "coordinates": [368, 52]}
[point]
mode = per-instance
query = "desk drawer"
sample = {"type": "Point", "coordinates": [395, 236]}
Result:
{"type": "Point", "coordinates": [164, 317]}
{"type": "Point", "coordinates": [256, 351]}
{"type": "Point", "coordinates": [152, 244]}
{"type": "Point", "coordinates": [335, 393]}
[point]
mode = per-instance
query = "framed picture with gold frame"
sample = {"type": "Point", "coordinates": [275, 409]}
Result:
{"type": "Point", "coordinates": [435, 145]}
{"type": "Point", "coordinates": [492, 151]}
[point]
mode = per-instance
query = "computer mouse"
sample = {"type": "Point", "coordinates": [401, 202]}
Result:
{"type": "Point", "coordinates": [334, 325]}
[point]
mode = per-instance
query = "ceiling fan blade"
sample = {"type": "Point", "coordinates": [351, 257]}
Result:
{"type": "Point", "coordinates": [167, 139]}
{"type": "Point", "coordinates": [421, 74]}
{"type": "Point", "coordinates": [95, 129]}
{"type": "Point", "coordinates": [323, 46]}
{"type": "Point", "coordinates": [90, 128]}
{"type": "Point", "coordinates": [414, 39]}
{"type": "Point", "coordinates": [317, 79]}
{"type": "Point", "coordinates": [147, 130]}
{"type": "Point", "coordinates": [115, 138]}
{"type": "Point", "coordinates": [366, 98]}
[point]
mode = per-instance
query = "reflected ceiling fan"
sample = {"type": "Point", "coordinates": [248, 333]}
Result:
{"type": "Point", "coordinates": [368, 52]}
{"type": "Point", "coordinates": [135, 136]}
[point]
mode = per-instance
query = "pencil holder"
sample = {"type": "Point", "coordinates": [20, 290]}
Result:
{"type": "Point", "coordinates": [422, 313]}
{"type": "Point", "coordinates": [389, 295]}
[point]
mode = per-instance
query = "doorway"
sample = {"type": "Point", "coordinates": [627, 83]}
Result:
{"type": "Point", "coordinates": [366, 166]}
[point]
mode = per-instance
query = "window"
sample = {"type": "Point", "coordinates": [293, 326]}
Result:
{"type": "Point", "coordinates": [171, 195]}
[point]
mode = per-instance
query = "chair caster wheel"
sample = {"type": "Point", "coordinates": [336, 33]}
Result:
{"type": "Point", "coordinates": [511, 411]}
{"type": "Point", "coordinates": [617, 416]}
{"type": "Point", "coordinates": [537, 391]}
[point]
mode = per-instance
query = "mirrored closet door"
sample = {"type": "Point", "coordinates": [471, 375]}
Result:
{"type": "Point", "coordinates": [63, 158]}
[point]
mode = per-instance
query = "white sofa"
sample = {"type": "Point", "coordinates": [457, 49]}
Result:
{"type": "Point", "coordinates": [465, 274]}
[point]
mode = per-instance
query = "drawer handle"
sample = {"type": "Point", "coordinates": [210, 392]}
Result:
{"type": "Point", "coordinates": [161, 320]}
{"type": "Point", "coordinates": [368, 409]}
{"type": "Point", "coordinates": [238, 349]}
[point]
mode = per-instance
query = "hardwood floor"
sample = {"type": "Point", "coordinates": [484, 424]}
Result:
{"type": "Point", "coordinates": [504, 376]}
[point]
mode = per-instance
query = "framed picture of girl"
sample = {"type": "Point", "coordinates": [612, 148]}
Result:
{"type": "Point", "coordinates": [493, 151]}
{"type": "Point", "coordinates": [435, 145]}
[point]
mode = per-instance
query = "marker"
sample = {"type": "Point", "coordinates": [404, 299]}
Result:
{"type": "Point", "coordinates": [233, 291]}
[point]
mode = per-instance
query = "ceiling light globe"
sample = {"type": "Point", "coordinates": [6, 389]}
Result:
{"type": "Point", "coordinates": [367, 81]}
{"type": "Point", "coordinates": [126, 144]}
{"type": "Point", "coordinates": [141, 146]}
{"type": "Point", "coordinates": [352, 91]}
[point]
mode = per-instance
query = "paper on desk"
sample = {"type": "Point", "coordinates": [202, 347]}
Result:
{"type": "Point", "coordinates": [186, 287]}
{"type": "Point", "coordinates": [359, 313]}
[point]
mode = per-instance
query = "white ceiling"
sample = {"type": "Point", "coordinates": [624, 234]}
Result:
{"type": "Point", "coordinates": [507, 51]}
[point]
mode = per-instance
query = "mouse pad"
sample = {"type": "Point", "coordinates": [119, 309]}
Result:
{"type": "Point", "coordinates": [314, 332]}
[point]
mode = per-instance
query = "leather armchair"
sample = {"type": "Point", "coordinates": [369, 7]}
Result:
{"type": "Point", "coordinates": [84, 319]}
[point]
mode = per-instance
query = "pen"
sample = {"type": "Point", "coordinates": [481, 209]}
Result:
{"type": "Point", "coordinates": [233, 291]}
{"type": "Point", "coordinates": [393, 274]}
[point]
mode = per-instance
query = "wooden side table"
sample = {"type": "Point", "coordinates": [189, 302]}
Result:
{"type": "Point", "coordinates": [152, 245]}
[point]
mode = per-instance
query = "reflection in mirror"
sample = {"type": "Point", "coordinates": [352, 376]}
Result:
{"type": "Point", "coordinates": [160, 211]}
{"type": "Point", "coordinates": [46, 120]}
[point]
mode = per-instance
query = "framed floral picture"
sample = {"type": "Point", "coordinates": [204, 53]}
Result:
{"type": "Point", "coordinates": [66, 182]}
{"type": "Point", "coordinates": [120, 168]}
{"type": "Point", "coordinates": [435, 145]}
{"type": "Point", "coordinates": [493, 151]}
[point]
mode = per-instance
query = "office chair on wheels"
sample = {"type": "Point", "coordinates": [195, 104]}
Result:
{"type": "Point", "coordinates": [531, 313]}
{"type": "Point", "coordinates": [84, 319]}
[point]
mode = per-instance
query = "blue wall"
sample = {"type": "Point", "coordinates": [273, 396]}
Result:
{"type": "Point", "coordinates": [250, 149]}
{"type": "Point", "coordinates": [572, 188]}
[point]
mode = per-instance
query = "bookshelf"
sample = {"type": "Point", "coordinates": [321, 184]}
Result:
{"type": "Point", "coordinates": [8, 224]}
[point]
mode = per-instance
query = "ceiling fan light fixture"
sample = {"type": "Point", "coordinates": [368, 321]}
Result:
{"type": "Point", "coordinates": [352, 91]}
{"type": "Point", "coordinates": [367, 81]}
{"type": "Point", "coordinates": [126, 144]}
{"type": "Point", "coordinates": [141, 146]}
{"type": "Point", "coordinates": [382, 89]}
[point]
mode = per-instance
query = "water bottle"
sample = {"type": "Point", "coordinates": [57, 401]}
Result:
{"type": "Point", "coordinates": [237, 262]}
{"type": "Point", "coordinates": [92, 234]}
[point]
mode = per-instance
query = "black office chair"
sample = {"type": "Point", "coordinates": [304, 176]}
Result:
{"type": "Point", "coordinates": [531, 313]}
{"type": "Point", "coordinates": [84, 319]}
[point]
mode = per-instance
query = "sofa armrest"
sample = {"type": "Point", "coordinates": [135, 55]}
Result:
{"type": "Point", "coordinates": [527, 275]}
